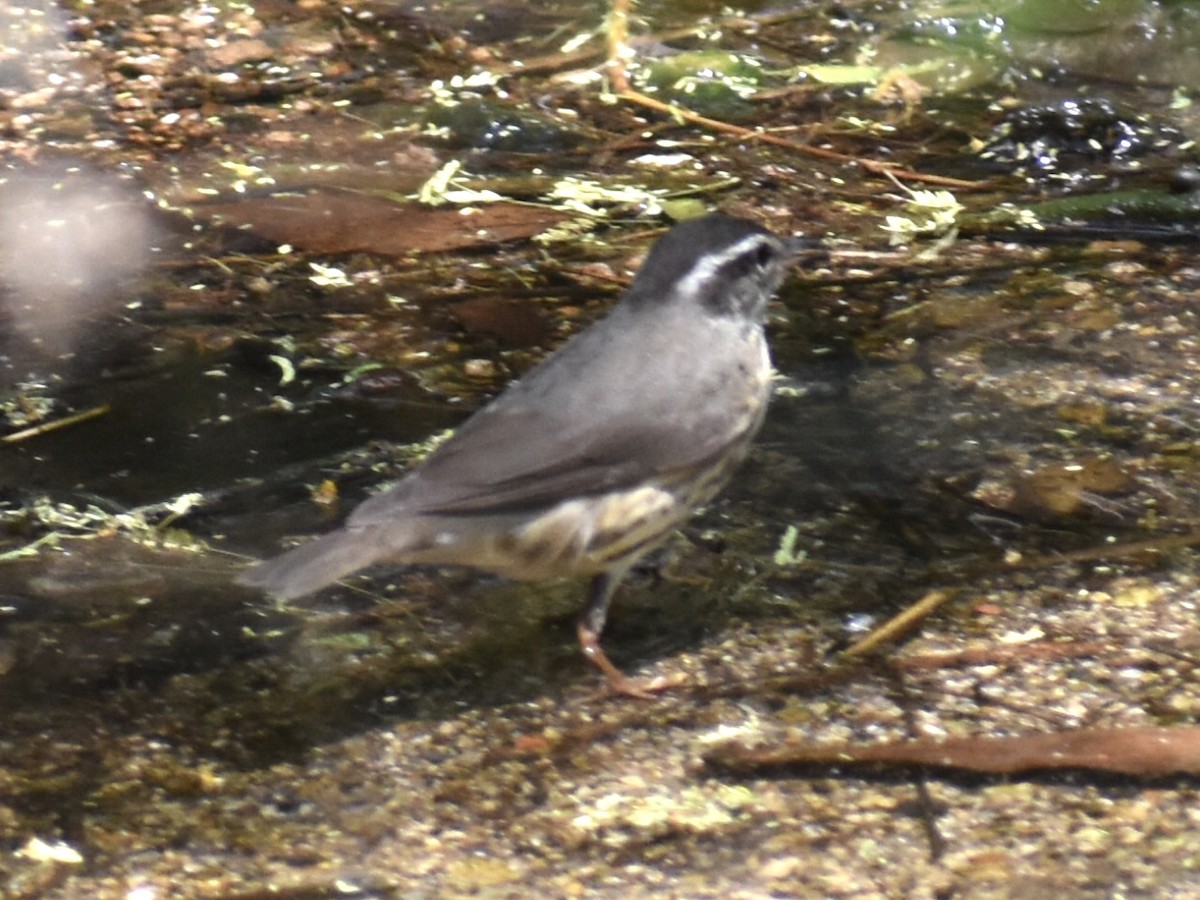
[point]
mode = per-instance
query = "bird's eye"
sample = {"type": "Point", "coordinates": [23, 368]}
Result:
{"type": "Point", "coordinates": [764, 255]}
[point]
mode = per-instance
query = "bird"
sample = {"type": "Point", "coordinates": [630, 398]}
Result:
{"type": "Point", "coordinates": [595, 456]}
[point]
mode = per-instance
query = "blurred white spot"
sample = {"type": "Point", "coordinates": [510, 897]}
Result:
{"type": "Point", "coordinates": [66, 242]}
{"type": "Point", "coordinates": [37, 850]}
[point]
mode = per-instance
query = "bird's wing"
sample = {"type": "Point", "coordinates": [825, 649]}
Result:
{"type": "Point", "coordinates": [516, 459]}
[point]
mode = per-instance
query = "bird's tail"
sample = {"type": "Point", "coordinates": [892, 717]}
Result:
{"type": "Point", "coordinates": [311, 566]}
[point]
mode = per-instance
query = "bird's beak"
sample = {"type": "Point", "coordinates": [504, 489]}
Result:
{"type": "Point", "coordinates": [805, 249]}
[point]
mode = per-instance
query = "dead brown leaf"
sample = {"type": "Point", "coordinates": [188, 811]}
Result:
{"type": "Point", "coordinates": [326, 220]}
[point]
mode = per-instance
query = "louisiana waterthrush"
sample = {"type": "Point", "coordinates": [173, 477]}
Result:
{"type": "Point", "coordinates": [595, 456]}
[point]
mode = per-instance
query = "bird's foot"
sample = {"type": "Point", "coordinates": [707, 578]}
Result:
{"type": "Point", "coordinates": [618, 683]}
{"type": "Point", "coordinates": [621, 685]}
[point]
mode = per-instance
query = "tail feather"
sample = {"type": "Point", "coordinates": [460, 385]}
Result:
{"type": "Point", "coordinates": [314, 565]}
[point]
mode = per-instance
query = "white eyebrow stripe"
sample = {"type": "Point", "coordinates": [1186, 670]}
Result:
{"type": "Point", "coordinates": [707, 265]}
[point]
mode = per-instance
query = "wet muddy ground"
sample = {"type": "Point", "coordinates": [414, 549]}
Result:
{"type": "Point", "coordinates": [256, 259]}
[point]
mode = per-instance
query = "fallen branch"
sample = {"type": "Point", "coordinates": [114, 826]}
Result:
{"type": "Point", "coordinates": [1148, 752]}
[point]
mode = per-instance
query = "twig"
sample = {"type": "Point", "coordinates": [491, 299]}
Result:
{"type": "Point", "coordinates": [1000, 655]}
{"type": "Point", "coordinates": [1110, 551]}
{"type": "Point", "coordinates": [891, 630]}
{"type": "Point", "coordinates": [617, 37]}
{"type": "Point", "coordinates": [46, 427]}
{"type": "Point", "coordinates": [875, 167]}
{"type": "Point", "coordinates": [558, 61]}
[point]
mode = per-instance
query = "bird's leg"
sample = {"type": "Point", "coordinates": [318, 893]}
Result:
{"type": "Point", "coordinates": [591, 624]}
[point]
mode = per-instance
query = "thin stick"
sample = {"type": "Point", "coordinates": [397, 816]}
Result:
{"type": "Point", "coordinates": [891, 630]}
{"type": "Point", "coordinates": [873, 166]}
{"type": "Point", "coordinates": [556, 61]}
{"type": "Point", "coordinates": [618, 37]}
{"type": "Point", "coordinates": [46, 427]}
{"type": "Point", "coordinates": [1110, 551]}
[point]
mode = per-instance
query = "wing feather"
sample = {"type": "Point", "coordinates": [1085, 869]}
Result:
{"type": "Point", "coordinates": [588, 421]}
